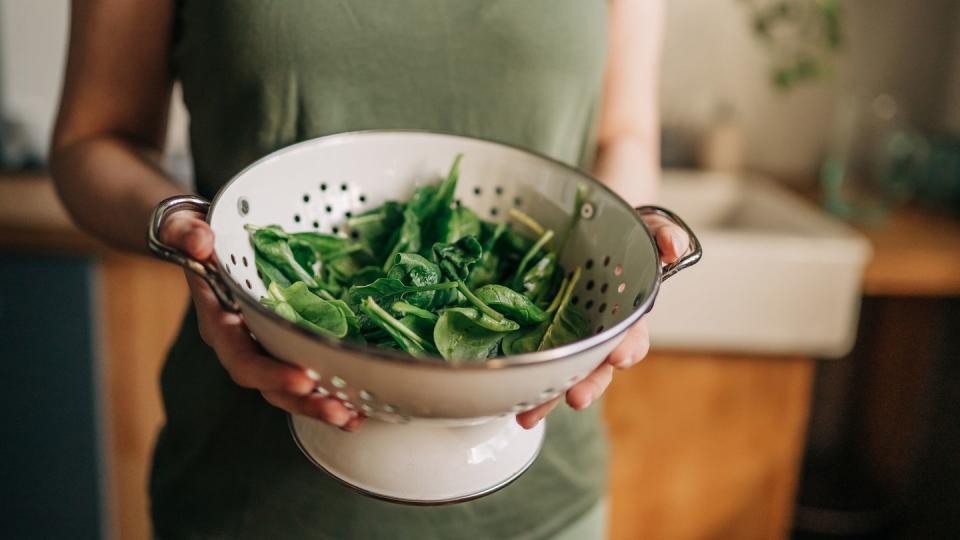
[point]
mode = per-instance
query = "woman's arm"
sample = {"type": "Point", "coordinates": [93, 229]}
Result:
{"type": "Point", "coordinates": [108, 135]}
{"type": "Point", "coordinates": [112, 121]}
{"type": "Point", "coordinates": [628, 153]}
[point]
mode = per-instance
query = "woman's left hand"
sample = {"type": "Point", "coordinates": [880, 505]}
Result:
{"type": "Point", "coordinates": [672, 242]}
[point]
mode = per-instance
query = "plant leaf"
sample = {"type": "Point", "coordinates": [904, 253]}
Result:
{"type": "Point", "coordinates": [511, 303]}
{"type": "Point", "coordinates": [457, 259]}
{"type": "Point", "coordinates": [458, 337]}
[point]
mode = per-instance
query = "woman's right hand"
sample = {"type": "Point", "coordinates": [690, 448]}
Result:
{"type": "Point", "coordinates": [285, 386]}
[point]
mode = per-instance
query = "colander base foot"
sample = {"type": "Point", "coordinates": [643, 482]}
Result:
{"type": "Point", "coordinates": [422, 462]}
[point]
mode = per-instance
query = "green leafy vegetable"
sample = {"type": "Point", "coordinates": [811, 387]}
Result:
{"type": "Point", "coordinates": [427, 277]}
{"type": "Point", "coordinates": [511, 303]}
{"type": "Point", "coordinates": [460, 337]}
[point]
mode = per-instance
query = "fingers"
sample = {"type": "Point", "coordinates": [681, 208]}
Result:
{"type": "Point", "coordinates": [327, 409]}
{"type": "Point", "coordinates": [585, 392]}
{"type": "Point", "coordinates": [672, 241]}
{"type": "Point", "coordinates": [531, 418]}
{"type": "Point", "coordinates": [186, 231]}
{"type": "Point", "coordinates": [633, 348]}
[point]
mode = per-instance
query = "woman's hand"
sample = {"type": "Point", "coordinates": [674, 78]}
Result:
{"type": "Point", "coordinates": [672, 242]}
{"type": "Point", "coordinates": [285, 386]}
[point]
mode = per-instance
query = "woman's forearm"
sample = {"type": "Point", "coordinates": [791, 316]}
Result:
{"type": "Point", "coordinates": [109, 186]}
{"type": "Point", "coordinates": [630, 166]}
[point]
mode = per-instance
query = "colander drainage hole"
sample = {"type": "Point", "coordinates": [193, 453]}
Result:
{"type": "Point", "coordinates": [589, 264]}
{"type": "Point", "coordinates": [602, 308]}
{"type": "Point", "coordinates": [590, 285]}
{"type": "Point", "coordinates": [575, 300]}
{"type": "Point", "coordinates": [517, 201]}
{"type": "Point", "coordinates": [362, 198]}
{"type": "Point", "coordinates": [621, 287]}
{"type": "Point", "coordinates": [498, 190]}
{"type": "Point", "coordinates": [249, 286]}
{"type": "Point", "coordinates": [603, 288]}
{"type": "Point", "coordinates": [588, 305]}
{"type": "Point", "coordinates": [306, 197]}
{"type": "Point", "coordinates": [600, 329]}
{"type": "Point", "coordinates": [606, 261]}
{"type": "Point", "coordinates": [338, 382]}
{"type": "Point", "coordinates": [296, 218]}
{"type": "Point", "coordinates": [323, 391]}
{"type": "Point", "coordinates": [244, 259]}
{"type": "Point", "coordinates": [637, 300]}
{"type": "Point", "coordinates": [615, 309]}
{"type": "Point", "coordinates": [233, 259]}
{"type": "Point", "coordinates": [477, 190]}
{"type": "Point", "coordinates": [617, 270]}
{"type": "Point", "coordinates": [494, 211]}
{"type": "Point", "coordinates": [323, 186]}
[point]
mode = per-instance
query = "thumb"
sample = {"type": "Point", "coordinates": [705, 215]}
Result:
{"type": "Point", "coordinates": [189, 233]}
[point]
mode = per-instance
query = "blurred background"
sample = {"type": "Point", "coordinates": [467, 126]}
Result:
{"type": "Point", "coordinates": [805, 377]}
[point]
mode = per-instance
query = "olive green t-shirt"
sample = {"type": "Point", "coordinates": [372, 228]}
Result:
{"type": "Point", "coordinates": [259, 75]}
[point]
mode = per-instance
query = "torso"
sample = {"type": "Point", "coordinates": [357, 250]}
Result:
{"type": "Point", "coordinates": [262, 74]}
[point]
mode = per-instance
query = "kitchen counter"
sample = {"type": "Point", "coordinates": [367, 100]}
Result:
{"type": "Point", "coordinates": [702, 445]}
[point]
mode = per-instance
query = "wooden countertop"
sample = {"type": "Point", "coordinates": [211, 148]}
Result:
{"type": "Point", "coordinates": [916, 253]}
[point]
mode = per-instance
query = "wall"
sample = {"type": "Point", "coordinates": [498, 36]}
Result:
{"type": "Point", "coordinates": [892, 46]}
{"type": "Point", "coordinates": [911, 49]}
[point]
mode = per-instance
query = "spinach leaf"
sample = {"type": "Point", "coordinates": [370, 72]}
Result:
{"type": "Point", "coordinates": [270, 273]}
{"type": "Point", "coordinates": [538, 281]}
{"type": "Point", "coordinates": [569, 323]}
{"type": "Point", "coordinates": [406, 238]}
{"type": "Point", "coordinates": [415, 270]}
{"type": "Point", "coordinates": [387, 289]}
{"type": "Point", "coordinates": [376, 227]}
{"type": "Point", "coordinates": [365, 275]}
{"type": "Point", "coordinates": [271, 244]}
{"type": "Point", "coordinates": [486, 270]}
{"type": "Point", "coordinates": [324, 315]}
{"type": "Point", "coordinates": [442, 198]}
{"type": "Point", "coordinates": [459, 337]}
{"type": "Point", "coordinates": [456, 223]}
{"type": "Point", "coordinates": [528, 258]}
{"type": "Point", "coordinates": [405, 309]}
{"type": "Point", "coordinates": [457, 259]}
{"type": "Point", "coordinates": [484, 320]}
{"type": "Point", "coordinates": [511, 303]}
{"type": "Point", "coordinates": [566, 324]}
{"type": "Point", "coordinates": [322, 244]}
{"type": "Point", "coordinates": [407, 339]}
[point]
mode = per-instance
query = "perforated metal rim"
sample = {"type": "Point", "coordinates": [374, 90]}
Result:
{"type": "Point", "coordinates": [500, 362]}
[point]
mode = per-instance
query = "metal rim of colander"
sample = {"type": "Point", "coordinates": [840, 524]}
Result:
{"type": "Point", "coordinates": [500, 362]}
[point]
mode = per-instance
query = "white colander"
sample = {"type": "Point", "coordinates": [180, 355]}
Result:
{"type": "Point", "coordinates": [438, 432]}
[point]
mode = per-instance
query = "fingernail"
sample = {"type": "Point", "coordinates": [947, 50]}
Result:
{"type": "Point", "coordinates": [624, 362]}
{"type": "Point", "coordinates": [678, 244]}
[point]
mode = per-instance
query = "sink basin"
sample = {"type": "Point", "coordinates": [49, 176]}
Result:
{"type": "Point", "coordinates": [778, 276]}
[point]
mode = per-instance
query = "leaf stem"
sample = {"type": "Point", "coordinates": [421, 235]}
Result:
{"type": "Point", "coordinates": [396, 325]}
{"type": "Point", "coordinates": [478, 303]}
{"type": "Point", "coordinates": [525, 261]}
{"type": "Point", "coordinates": [524, 219]}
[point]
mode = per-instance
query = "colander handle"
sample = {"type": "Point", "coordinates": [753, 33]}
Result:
{"type": "Point", "coordinates": [694, 251]}
{"type": "Point", "coordinates": [205, 270]}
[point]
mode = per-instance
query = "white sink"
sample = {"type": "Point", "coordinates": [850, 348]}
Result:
{"type": "Point", "coordinates": [778, 276]}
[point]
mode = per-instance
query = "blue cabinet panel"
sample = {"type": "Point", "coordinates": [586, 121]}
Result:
{"type": "Point", "coordinates": [50, 471]}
